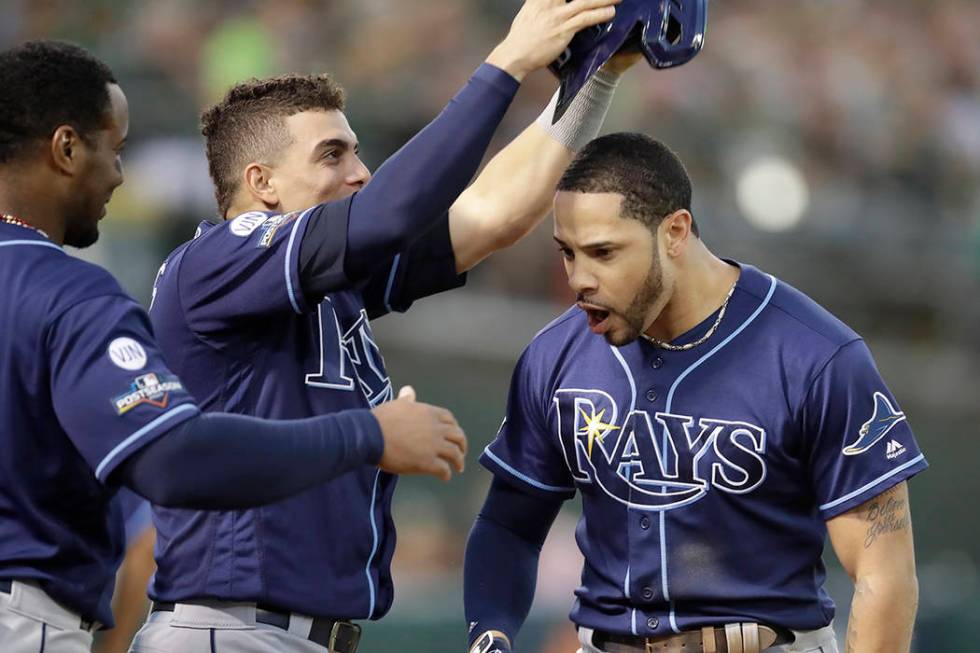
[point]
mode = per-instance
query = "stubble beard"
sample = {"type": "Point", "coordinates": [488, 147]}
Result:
{"type": "Point", "coordinates": [636, 313]}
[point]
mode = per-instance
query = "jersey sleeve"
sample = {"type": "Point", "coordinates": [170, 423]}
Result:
{"type": "Point", "coordinates": [860, 442]}
{"type": "Point", "coordinates": [427, 267]}
{"type": "Point", "coordinates": [249, 267]}
{"type": "Point", "coordinates": [525, 453]}
{"type": "Point", "coordinates": [112, 391]}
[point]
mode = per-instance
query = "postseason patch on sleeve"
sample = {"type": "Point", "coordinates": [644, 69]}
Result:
{"type": "Point", "coordinates": [151, 389]}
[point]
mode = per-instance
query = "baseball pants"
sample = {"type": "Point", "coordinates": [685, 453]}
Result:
{"type": "Point", "coordinates": [822, 640]}
{"type": "Point", "coordinates": [220, 627]}
{"type": "Point", "coordinates": [33, 622]}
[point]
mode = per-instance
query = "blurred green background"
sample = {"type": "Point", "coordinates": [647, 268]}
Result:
{"type": "Point", "coordinates": [834, 144]}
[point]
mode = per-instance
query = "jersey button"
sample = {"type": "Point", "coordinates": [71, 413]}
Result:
{"type": "Point", "coordinates": [648, 594]}
{"type": "Point", "coordinates": [652, 623]}
{"type": "Point", "coordinates": [651, 395]}
{"type": "Point", "coordinates": [644, 522]}
{"type": "Point", "coordinates": [657, 363]}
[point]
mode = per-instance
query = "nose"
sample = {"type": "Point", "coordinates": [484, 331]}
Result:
{"type": "Point", "coordinates": [359, 174]}
{"type": "Point", "coordinates": [117, 179]}
{"type": "Point", "coordinates": [580, 279]}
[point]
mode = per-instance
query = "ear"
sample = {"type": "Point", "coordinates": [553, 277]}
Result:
{"type": "Point", "coordinates": [65, 148]}
{"type": "Point", "coordinates": [676, 232]}
{"type": "Point", "coordinates": [257, 181]}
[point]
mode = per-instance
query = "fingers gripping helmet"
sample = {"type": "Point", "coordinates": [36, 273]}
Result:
{"type": "Point", "coordinates": [667, 32]}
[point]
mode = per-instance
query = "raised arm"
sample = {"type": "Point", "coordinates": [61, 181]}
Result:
{"type": "Point", "coordinates": [874, 543]}
{"type": "Point", "coordinates": [514, 191]}
{"type": "Point", "coordinates": [501, 564]}
{"type": "Point", "coordinates": [419, 183]}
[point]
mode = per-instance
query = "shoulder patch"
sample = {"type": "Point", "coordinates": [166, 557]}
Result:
{"type": "Point", "coordinates": [127, 354]}
{"type": "Point", "coordinates": [884, 417]}
{"type": "Point", "coordinates": [246, 223]}
{"type": "Point", "coordinates": [273, 224]}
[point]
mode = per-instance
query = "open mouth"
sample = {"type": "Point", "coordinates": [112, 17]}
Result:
{"type": "Point", "coordinates": [598, 318]}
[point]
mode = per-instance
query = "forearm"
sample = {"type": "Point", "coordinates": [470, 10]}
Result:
{"type": "Point", "coordinates": [515, 191]}
{"type": "Point", "coordinates": [501, 561]}
{"type": "Point", "coordinates": [419, 183]}
{"type": "Point", "coordinates": [500, 574]}
{"type": "Point", "coordinates": [232, 462]}
{"type": "Point", "coordinates": [882, 614]}
{"type": "Point", "coordinates": [512, 195]}
{"type": "Point", "coordinates": [874, 544]}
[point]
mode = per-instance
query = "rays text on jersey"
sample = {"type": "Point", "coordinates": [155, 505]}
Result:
{"type": "Point", "coordinates": [659, 462]}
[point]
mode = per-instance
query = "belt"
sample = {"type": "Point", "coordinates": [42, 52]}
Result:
{"type": "Point", "coordinates": [7, 585]}
{"type": "Point", "coordinates": [731, 638]}
{"type": "Point", "coordinates": [337, 635]}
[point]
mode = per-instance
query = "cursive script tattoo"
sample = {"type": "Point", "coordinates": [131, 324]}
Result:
{"type": "Point", "coordinates": [887, 514]}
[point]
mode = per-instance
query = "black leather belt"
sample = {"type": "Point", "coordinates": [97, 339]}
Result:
{"type": "Point", "coordinates": [7, 585]}
{"type": "Point", "coordinates": [337, 635]}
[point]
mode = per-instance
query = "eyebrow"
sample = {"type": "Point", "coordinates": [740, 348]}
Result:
{"type": "Point", "coordinates": [602, 244]}
{"type": "Point", "coordinates": [339, 143]}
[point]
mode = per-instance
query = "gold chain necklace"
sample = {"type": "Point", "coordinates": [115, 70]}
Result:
{"type": "Point", "coordinates": [708, 334]}
{"type": "Point", "coordinates": [11, 219]}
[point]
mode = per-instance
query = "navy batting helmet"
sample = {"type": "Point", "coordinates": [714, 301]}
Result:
{"type": "Point", "coordinates": [667, 32]}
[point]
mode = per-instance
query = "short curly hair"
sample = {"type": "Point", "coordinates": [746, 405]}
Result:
{"type": "Point", "coordinates": [47, 84]}
{"type": "Point", "coordinates": [649, 176]}
{"type": "Point", "coordinates": [249, 124]}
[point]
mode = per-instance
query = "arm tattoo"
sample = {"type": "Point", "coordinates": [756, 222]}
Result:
{"type": "Point", "coordinates": [885, 514]}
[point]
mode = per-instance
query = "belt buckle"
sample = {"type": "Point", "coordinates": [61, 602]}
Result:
{"type": "Point", "coordinates": [344, 637]}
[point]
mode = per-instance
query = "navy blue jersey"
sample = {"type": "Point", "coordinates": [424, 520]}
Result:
{"type": "Point", "coordinates": [706, 475]}
{"type": "Point", "coordinates": [232, 318]}
{"type": "Point", "coordinates": [83, 388]}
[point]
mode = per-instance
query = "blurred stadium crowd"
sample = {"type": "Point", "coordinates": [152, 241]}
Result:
{"type": "Point", "coordinates": [835, 144]}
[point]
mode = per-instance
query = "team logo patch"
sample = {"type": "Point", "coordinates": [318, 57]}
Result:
{"type": "Point", "coordinates": [151, 389]}
{"type": "Point", "coordinates": [127, 354]}
{"type": "Point", "coordinates": [246, 223]}
{"type": "Point", "coordinates": [661, 461]}
{"type": "Point", "coordinates": [272, 225]}
{"type": "Point", "coordinates": [883, 419]}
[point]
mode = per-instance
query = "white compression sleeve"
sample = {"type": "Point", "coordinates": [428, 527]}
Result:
{"type": "Point", "coordinates": [583, 118]}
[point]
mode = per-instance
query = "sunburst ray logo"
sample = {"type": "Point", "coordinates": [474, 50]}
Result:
{"type": "Point", "coordinates": [595, 428]}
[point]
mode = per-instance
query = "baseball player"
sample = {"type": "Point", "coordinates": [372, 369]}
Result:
{"type": "Point", "coordinates": [718, 424]}
{"type": "Point", "coordinates": [268, 314]}
{"type": "Point", "coordinates": [87, 403]}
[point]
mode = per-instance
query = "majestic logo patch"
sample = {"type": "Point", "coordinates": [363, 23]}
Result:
{"type": "Point", "coordinates": [246, 223]}
{"type": "Point", "coordinates": [884, 418]}
{"type": "Point", "coordinates": [127, 354]}
{"type": "Point", "coordinates": [659, 463]}
{"type": "Point", "coordinates": [147, 389]}
{"type": "Point", "coordinates": [894, 450]}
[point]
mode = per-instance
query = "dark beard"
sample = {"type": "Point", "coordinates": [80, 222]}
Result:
{"type": "Point", "coordinates": [636, 312]}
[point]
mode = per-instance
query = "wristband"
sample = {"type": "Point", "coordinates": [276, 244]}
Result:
{"type": "Point", "coordinates": [584, 116]}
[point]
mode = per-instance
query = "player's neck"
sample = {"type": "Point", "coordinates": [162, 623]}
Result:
{"type": "Point", "coordinates": [35, 206]}
{"type": "Point", "coordinates": [701, 286]}
{"type": "Point", "coordinates": [240, 207]}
